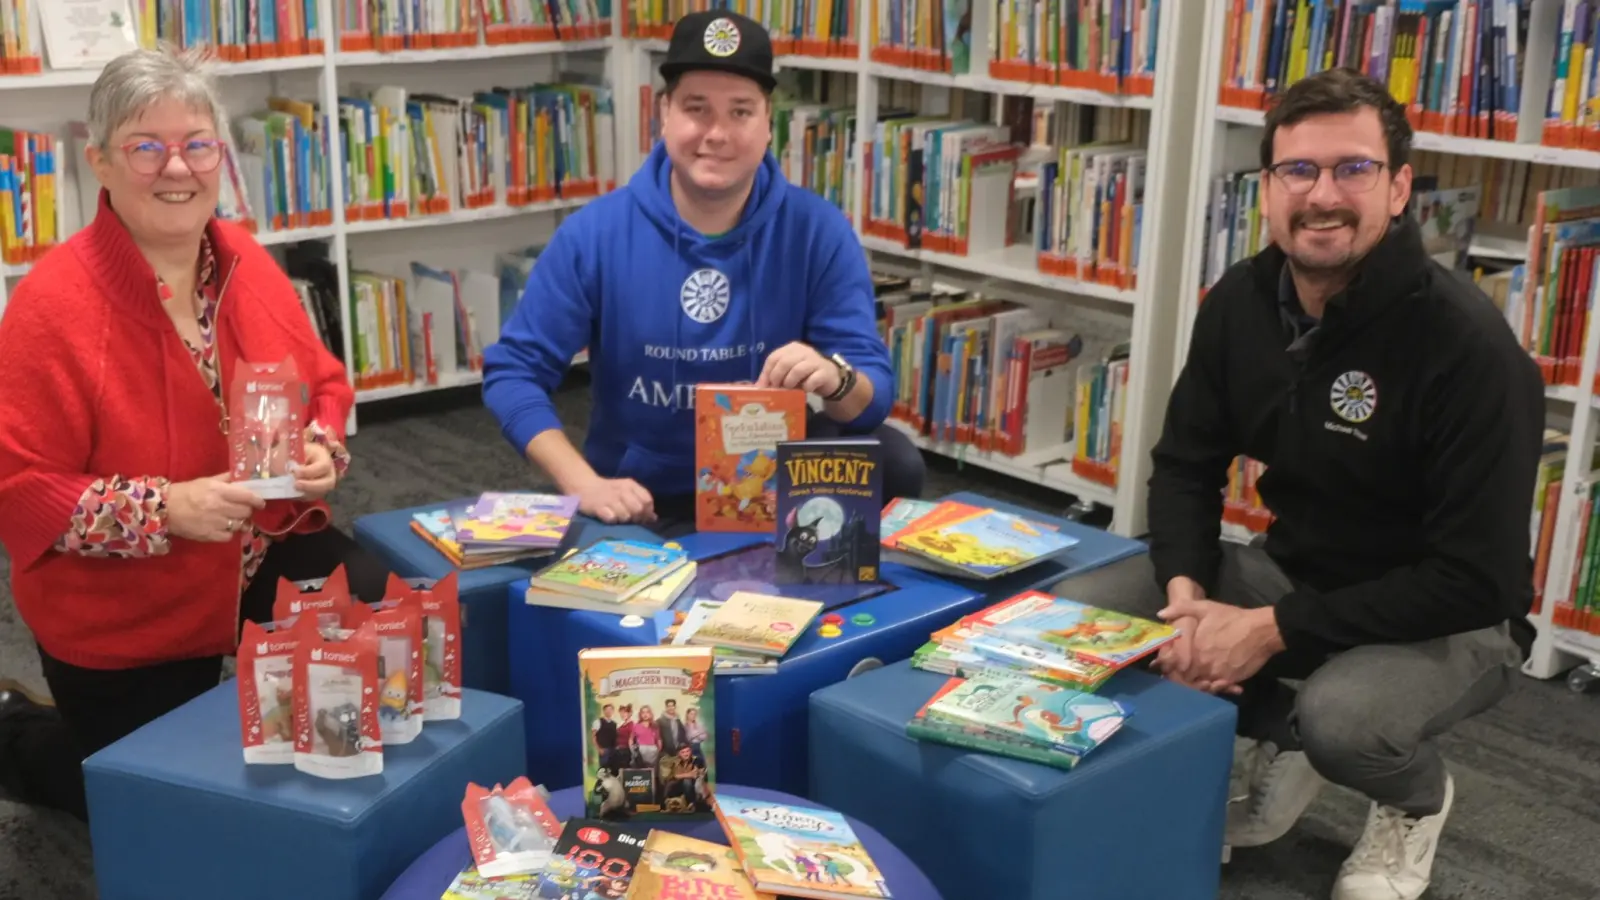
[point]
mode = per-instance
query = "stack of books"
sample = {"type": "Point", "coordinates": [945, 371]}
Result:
{"type": "Point", "coordinates": [748, 633]}
{"type": "Point", "coordinates": [958, 539]}
{"type": "Point", "coordinates": [1023, 676]}
{"type": "Point", "coordinates": [615, 576]}
{"type": "Point", "coordinates": [497, 527]}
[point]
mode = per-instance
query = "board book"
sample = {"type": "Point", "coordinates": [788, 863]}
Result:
{"type": "Point", "coordinates": [640, 706]}
{"type": "Point", "coordinates": [1058, 625]}
{"type": "Point", "coordinates": [830, 502]}
{"type": "Point", "coordinates": [737, 429]}
{"type": "Point", "coordinates": [799, 851]}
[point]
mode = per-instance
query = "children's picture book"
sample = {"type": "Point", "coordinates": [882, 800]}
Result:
{"type": "Point", "coordinates": [975, 542]}
{"type": "Point", "coordinates": [737, 431]}
{"type": "Point", "coordinates": [1043, 714]}
{"type": "Point", "coordinates": [1056, 624]}
{"type": "Point", "coordinates": [592, 859]}
{"type": "Point", "coordinates": [799, 851]}
{"type": "Point", "coordinates": [727, 661]}
{"type": "Point", "coordinates": [470, 884]}
{"type": "Point", "coordinates": [611, 570]}
{"type": "Point", "coordinates": [757, 623]}
{"type": "Point", "coordinates": [902, 511]}
{"type": "Point", "coordinates": [679, 867]}
{"type": "Point", "coordinates": [830, 502]}
{"type": "Point", "coordinates": [649, 732]}
{"type": "Point", "coordinates": [507, 520]}
{"type": "Point", "coordinates": [924, 727]}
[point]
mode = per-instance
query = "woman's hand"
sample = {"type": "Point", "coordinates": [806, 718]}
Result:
{"type": "Point", "coordinates": [316, 478]}
{"type": "Point", "coordinates": [210, 509]}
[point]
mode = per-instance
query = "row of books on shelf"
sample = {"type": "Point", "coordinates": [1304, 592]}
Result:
{"type": "Point", "coordinates": [994, 375]}
{"type": "Point", "coordinates": [36, 35]}
{"type": "Point", "coordinates": [1459, 66]}
{"type": "Point", "coordinates": [405, 155]}
{"type": "Point", "coordinates": [1579, 605]}
{"type": "Point", "coordinates": [1109, 47]}
{"type": "Point", "coordinates": [1023, 676]}
{"type": "Point", "coordinates": [1069, 184]}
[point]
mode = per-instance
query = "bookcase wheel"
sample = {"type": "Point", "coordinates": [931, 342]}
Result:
{"type": "Point", "coordinates": [1583, 679]}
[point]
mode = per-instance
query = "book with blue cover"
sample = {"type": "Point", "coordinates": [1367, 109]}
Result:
{"type": "Point", "coordinates": [1058, 625]}
{"type": "Point", "coordinates": [830, 502]}
{"type": "Point", "coordinates": [1044, 715]}
{"type": "Point", "coordinates": [975, 542]}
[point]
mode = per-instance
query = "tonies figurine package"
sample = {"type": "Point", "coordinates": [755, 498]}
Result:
{"type": "Point", "coordinates": [319, 595]}
{"type": "Point", "coordinates": [512, 830]}
{"type": "Point", "coordinates": [266, 686]}
{"type": "Point", "coordinates": [399, 629]}
{"type": "Point", "coordinates": [440, 607]}
{"type": "Point", "coordinates": [336, 730]}
{"type": "Point", "coordinates": [267, 419]}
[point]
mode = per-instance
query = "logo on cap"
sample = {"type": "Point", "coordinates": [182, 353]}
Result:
{"type": "Point", "coordinates": [722, 37]}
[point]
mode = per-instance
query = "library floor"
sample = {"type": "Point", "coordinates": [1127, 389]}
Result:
{"type": "Point", "coordinates": [1527, 814]}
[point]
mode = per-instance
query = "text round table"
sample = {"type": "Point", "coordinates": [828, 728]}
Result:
{"type": "Point", "coordinates": [433, 871]}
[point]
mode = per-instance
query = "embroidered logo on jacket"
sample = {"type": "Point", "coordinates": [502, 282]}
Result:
{"type": "Point", "coordinates": [722, 37]}
{"type": "Point", "coordinates": [1354, 396]}
{"type": "Point", "coordinates": [705, 295]}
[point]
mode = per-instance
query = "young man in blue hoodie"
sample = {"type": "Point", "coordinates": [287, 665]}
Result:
{"type": "Point", "coordinates": [708, 267]}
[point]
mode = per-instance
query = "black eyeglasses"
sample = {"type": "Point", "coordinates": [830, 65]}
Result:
{"type": "Point", "coordinates": [1299, 176]}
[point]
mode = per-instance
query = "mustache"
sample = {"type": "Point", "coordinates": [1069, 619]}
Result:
{"type": "Point", "coordinates": [1342, 216]}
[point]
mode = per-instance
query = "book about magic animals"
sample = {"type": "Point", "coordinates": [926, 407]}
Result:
{"type": "Point", "coordinates": [649, 732]}
{"type": "Point", "coordinates": [829, 511]}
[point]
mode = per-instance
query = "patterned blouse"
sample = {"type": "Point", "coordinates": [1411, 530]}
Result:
{"type": "Point", "coordinates": [125, 516]}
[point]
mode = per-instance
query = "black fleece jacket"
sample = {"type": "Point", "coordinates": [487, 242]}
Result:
{"type": "Point", "coordinates": [1401, 449]}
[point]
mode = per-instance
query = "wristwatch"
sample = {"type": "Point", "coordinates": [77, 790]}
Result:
{"type": "Point", "coordinates": [847, 379]}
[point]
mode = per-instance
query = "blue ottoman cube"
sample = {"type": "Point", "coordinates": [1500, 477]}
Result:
{"type": "Point", "coordinates": [173, 806]}
{"type": "Point", "coordinates": [1142, 816]}
{"type": "Point", "coordinates": [484, 659]}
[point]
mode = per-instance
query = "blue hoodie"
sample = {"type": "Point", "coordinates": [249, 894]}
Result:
{"type": "Point", "coordinates": [662, 308]}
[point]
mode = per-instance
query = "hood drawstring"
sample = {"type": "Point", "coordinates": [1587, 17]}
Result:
{"type": "Point", "coordinates": [750, 307]}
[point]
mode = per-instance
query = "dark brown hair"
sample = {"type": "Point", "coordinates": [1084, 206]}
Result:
{"type": "Point", "coordinates": [1340, 90]}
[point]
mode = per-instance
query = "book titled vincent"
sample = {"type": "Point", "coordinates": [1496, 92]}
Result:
{"type": "Point", "coordinates": [830, 503]}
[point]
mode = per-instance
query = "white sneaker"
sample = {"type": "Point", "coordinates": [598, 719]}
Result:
{"type": "Point", "coordinates": [1274, 790]}
{"type": "Point", "coordinates": [1394, 858]}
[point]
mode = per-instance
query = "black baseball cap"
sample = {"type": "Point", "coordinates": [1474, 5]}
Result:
{"type": "Point", "coordinates": [720, 40]}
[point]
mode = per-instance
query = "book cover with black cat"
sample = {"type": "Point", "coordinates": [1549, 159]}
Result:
{"type": "Point", "coordinates": [830, 500]}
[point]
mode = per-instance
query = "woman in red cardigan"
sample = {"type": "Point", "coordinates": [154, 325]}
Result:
{"type": "Point", "coordinates": [133, 558]}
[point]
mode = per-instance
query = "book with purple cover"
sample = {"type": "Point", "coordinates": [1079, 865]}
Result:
{"type": "Point", "coordinates": [517, 520]}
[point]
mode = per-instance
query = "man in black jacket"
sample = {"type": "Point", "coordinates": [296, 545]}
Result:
{"type": "Point", "coordinates": [1401, 425]}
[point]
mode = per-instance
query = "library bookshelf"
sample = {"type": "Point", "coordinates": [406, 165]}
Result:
{"type": "Point", "coordinates": [462, 234]}
{"type": "Point", "coordinates": [1521, 155]}
{"type": "Point", "coordinates": [1135, 310]}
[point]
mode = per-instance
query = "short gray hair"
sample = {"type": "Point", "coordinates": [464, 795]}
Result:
{"type": "Point", "coordinates": [135, 80]}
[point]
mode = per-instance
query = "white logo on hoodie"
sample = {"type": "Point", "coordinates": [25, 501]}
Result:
{"type": "Point", "coordinates": [705, 295]}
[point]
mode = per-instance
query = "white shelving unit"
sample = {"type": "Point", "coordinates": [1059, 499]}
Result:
{"type": "Point", "coordinates": [1146, 314]}
{"type": "Point", "coordinates": [46, 102]}
{"type": "Point", "coordinates": [1226, 139]}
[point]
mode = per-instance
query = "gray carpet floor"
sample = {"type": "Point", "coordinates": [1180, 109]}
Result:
{"type": "Point", "coordinates": [1527, 815]}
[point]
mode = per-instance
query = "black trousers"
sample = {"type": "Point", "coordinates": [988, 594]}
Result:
{"type": "Point", "coordinates": [903, 467]}
{"type": "Point", "coordinates": [42, 752]}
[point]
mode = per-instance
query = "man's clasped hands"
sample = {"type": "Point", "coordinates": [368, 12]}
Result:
{"type": "Point", "coordinates": [1220, 646]}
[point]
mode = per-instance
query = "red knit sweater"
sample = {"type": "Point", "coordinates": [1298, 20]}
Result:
{"type": "Point", "coordinates": [95, 380]}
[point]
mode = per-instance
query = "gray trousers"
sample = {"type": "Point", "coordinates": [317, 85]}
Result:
{"type": "Point", "coordinates": [1366, 717]}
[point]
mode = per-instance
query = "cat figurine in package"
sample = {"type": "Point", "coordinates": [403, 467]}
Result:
{"type": "Point", "coordinates": [399, 628]}
{"type": "Point", "coordinates": [439, 604]}
{"type": "Point", "coordinates": [336, 692]}
{"type": "Point", "coordinates": [511, 830]}
{"type": "Point", "coordinates": [319, 595]}
{"type": "Point", "coordinates": [268, 405]}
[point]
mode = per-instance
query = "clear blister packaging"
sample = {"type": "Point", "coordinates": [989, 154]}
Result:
{"type": "Point", "coordinates": [267, 420]}
{"type": "Point", "coordinates": [511, 829]}
{"type": "Point", "coordinates": [337, 734]}
{"type": "Point", "coordinates": [439, 606]}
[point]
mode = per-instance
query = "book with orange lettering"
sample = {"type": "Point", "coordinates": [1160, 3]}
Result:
{"type": "Point", "coordinates": [737, 430]}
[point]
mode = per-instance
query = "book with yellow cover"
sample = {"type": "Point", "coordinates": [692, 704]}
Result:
{"type": "Point", "coordinates": [679, 867]}
{"type": "Point", "coordinates": [758, 623]}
